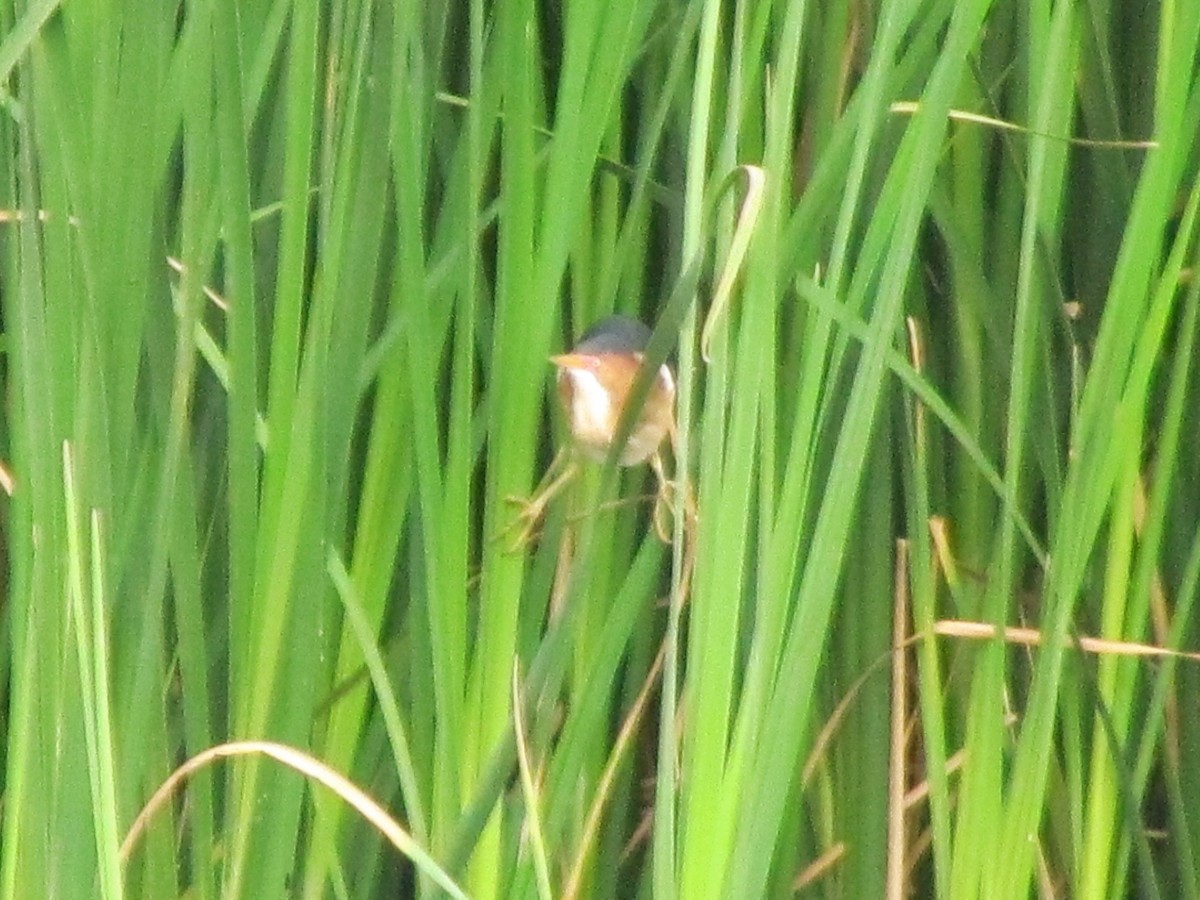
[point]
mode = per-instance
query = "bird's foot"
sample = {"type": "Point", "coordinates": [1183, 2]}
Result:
{"type": "Point", "coordinates": [524, 527]}
{"type": "Point", "coordinates": [665, 501]}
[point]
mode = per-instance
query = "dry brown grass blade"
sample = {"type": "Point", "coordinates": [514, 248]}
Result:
{"type": "Point", "coordinates": [908, 107]}
{"type": "Point", "coordinates": [897, 775]}
{"type": "Point", "coordinates": [819, 867]}
{"type": "Point", "coordinates": [530, 789]}
{"type": "Point", "coordinates": [624, 740]}
{"type": "Point", "coordinates": [311, 768]}
{"type": "Point", "coordinates": [1031, 637]}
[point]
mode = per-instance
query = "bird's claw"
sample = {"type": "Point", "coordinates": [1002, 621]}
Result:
{"type": "Point", "coordinates": [664, 503]}
{"type": "Point", "coordinates": [533, 509]}
{"type": "Point", "coordinates": [525, 525]}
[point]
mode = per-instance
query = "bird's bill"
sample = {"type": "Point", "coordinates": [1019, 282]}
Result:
{"type": "Point", "coordinates": [573, 361]}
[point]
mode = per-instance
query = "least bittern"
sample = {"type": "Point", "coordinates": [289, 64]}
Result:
{"type": "Point", "coordinates": [594, 383]}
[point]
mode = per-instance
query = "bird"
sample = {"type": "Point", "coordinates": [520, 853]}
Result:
{"type": "Point", "coordinates": [595, 379]}
{"type": "Point", "coordinates": [594, 382]}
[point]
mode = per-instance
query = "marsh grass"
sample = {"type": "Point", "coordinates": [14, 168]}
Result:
{"type": "Point", "coordinates": [279, 282]}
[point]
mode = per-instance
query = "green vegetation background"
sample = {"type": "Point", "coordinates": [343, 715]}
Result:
{"type": "Point", "coordinates": [278, 284]}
